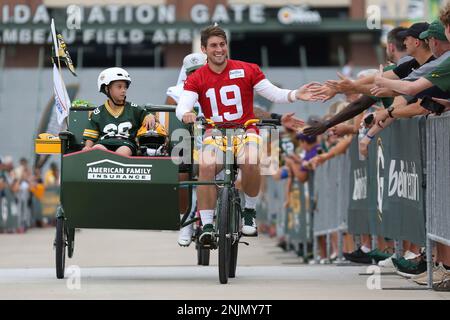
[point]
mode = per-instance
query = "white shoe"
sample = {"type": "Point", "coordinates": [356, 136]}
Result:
{"type": "Point", "coordinates": [249, 227]}
{"type": "Point", "coordinates": [387, 263]}
{"type": "Point", "coordinates": [185, 235]}
{"type": "Point", "coordinates": [410, 255]}
{"type": "Point", "coordinates": [249, 230]}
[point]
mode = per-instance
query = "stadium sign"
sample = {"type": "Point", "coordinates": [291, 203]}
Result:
{"type": "Point", "coordinates": [125, 24]}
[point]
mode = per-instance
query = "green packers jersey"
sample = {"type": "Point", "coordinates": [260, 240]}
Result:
{"type": "Point", "coordinates": [440, 76]}
{"type": "Point", "coordinates": [104, 125]}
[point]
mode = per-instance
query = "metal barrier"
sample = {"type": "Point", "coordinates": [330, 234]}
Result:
{"type": "Point", "coordinates": [270, 207]}
{"type": "Point", "coordinates": [438, 185]}
{"type": "Point", "coordinates": [21, 210]}
{"type": "Point", "coordinates": [9, 212]}
{"type": "Point", "coordinates": [332, 188]}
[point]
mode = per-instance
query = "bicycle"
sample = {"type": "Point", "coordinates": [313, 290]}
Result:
{"type": "Point", "coordinates": [228, 208]}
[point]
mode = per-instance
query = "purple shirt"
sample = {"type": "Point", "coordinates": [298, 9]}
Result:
{"type": "Point", "coordinates": [309, 155]}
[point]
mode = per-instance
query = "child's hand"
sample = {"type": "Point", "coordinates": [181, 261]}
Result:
{"type": "Point", "coordinates": [149, 121]}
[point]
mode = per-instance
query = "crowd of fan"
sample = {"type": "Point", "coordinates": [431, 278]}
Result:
{"type": "Point", "coordinates": [415, 81]}
{"type": "Point", "coordinates": [22, 190]}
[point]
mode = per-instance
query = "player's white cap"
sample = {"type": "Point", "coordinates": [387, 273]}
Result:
{"type": "Point", "coordinates": [194, 61]}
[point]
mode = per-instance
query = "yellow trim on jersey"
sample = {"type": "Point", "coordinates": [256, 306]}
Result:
{"type": "Point", "coordinates": [91, 133]}
{"type": "Point", "coordinates": [115, 114]}
{"type": "Point", "coordinates": [95, 132]}
{"type": "Point", "coordinates": [90, 136]}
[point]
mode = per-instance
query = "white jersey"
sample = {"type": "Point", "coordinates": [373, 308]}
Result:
{"type": "Point", "coordinates": [175, 93]}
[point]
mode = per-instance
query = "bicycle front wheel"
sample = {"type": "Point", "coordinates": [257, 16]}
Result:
{"type": "Point", "coordinates": [225, 236]}
{"type": "Point", "coordinates": [235, 222]}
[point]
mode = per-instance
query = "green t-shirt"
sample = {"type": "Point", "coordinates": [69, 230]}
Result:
{"type": "Point", "coordinates": [440, 76]}
{"type": "Point", "coordinates": [103, 125]}
{"type": "Point", "coordinates": [387, 101]}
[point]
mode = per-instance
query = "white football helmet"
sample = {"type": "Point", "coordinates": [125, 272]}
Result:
{"type": "Point", "coordinates": [112, 74]}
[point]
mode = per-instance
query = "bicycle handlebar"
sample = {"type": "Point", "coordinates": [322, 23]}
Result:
{"type": "Point", "coordinates": [257, 122]}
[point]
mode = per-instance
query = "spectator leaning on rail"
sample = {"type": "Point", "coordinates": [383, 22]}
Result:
{"type": "Point", "coordinates": [435, 83]}
{"type": "Point", "coordinates": [396, 53]}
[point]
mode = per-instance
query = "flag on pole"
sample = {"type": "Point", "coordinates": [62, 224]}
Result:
{"type": "Point", "coordinates": [62, 100]}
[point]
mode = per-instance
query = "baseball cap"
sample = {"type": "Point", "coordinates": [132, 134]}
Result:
{"type": "Point", "coordinates": [194, 61]}
{"type": "Point", "coordinates": [415, 30]}
{"type": "Point", "coordinates": [435, 30]}
{"type": "Point", "coordinates": [306, 138]}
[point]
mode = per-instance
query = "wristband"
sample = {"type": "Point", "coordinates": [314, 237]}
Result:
{"type": "Point", "coordinates": [293, 95]}
{"type": "Point", "coordinates": [369, 136]}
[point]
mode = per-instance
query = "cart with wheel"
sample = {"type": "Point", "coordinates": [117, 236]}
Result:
{"type": "Point", "coordinates": [104, 190]}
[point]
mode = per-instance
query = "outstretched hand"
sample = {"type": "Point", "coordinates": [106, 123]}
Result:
{"type": "Point", "coordinates": [307, 92]}
{"type": "Point", "coordinates": [321, 92]}
{"type": "Point", "coordinates": [344, 85]}
{"type": "Point", "coordinates": [380, 87]}
{"type": "Point", "coordinates": [289, 121]}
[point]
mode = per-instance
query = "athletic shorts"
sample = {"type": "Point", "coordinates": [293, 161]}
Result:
{"type": "Point", "coordinates": [114, 144]}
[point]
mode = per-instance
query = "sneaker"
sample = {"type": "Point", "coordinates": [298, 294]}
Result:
{"type": "Point", "coordinates": [249, 222]}
{"type": "Point", "coordinates": [387, 263]}
{"type": "Point", "coordinates": [404, 263]}
{"type": "Point", "coordinates": [378, 255]}
{"type": "Point", "coordinates": [439, 273]}
{"type": "Point", "coordinates": [333, 256]}
{"type": "Point", "coordinates": [410, 255]}
{"type": "Point", "coordinates": [358, 256]}
{"type": "Point", "coordinates": [410, 270]}
{"type": "Point", "coordinates": [185, 235]}
{"type": "Point", "coordinates": [207, 235]}
{"type": "Point", "coordinates": [443, 286]}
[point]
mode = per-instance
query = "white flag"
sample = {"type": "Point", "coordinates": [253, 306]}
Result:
{"type": "Point", "coordinates": [62, 101]}
{"type": "Point", "coordinates": [55, 41]}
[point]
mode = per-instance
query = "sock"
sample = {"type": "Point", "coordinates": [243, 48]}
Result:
{"type": "Point", "coordinates": [207, 216]}
{"type": "Point", "coordinates": [365, 249]}
{"type": "Point", "coordinates": [250, 202]}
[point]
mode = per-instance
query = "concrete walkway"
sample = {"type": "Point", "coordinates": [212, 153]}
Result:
{"type": "Point", "coordinates": [150, 265]}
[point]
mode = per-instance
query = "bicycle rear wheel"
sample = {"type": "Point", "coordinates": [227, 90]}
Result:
{"type": "Point", "coordinates": [225, 239]}
{"type": "Point", "coordinates": [60, 248]}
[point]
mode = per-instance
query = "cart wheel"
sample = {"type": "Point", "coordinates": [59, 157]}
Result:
{"type": "Point", "coordinates": [70, 242]}
{"type": "Point", "coordinates": [202, 256]}
{"type": "Point", "coordinates": [60, 246]}
{"type": "Point", "coordinates": [224, 236]}
{"type": "Point", "coordinates": [235, 245]}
